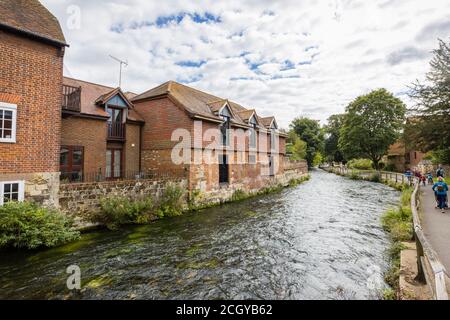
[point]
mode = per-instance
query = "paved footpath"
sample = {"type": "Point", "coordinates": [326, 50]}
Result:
{"type": "Point", "coordinates": [436, 226]}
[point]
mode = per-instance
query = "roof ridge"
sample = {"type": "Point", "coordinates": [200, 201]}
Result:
{"type": "Point", "coordinates": [151, 89]}
{"type": "Point", "coordinates": [204, 92]}
{"type": "Point", "coordinates": [89, 82]}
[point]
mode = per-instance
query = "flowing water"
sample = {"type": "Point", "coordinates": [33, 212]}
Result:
{"type": "Point", "coordinates": [320, 240]}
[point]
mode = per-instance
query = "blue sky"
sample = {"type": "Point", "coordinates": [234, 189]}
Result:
{"type": "Point", "coordinates": [284, 58]}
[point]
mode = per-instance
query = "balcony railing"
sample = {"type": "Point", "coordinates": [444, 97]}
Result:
{"type": "Point", "coordinates": [71, 98]}
{"type": "Point", "coordinates": [116, 131]}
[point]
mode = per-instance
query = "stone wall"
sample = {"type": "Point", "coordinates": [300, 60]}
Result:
{"type": "Point", "coordinates": [249, 185]}
{"type": "Point", "coordinates": [78, 200]}
{"type": "Point", "coordinates": [41, 188]}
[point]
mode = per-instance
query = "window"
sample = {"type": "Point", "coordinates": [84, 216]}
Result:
{"type": "Point", "coordinates": [8, 118]}
{"type": "Point", "coordinates": [225, 114]}
{"type": "Point", "coordinates": [113, 163]}
{"type": "Point", "coordinates": [11, 191]}
{"type": "Point", "coordinates": [273, 139]}
{"type": "Point", "coordinates": [71, 163]}
{"type": "Point", "coordinates": [116, 128]}
{"type": "Point", "coordinates": [253, 125]}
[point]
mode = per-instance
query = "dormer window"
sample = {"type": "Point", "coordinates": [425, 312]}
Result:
{"type": "Point", "coordinates": [254, 125]}
{"type": "Point", "coordinates": [225, 127]}
{"type": "Point", "coordinates": [117, 109]}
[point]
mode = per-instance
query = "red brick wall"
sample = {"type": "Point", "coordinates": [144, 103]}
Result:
{"type": "Point", "coordinates": [132, 146]}
{"type": "Point", "coordinates": [162, 117]}
{"type": "Point", "coordinates": [32, 72]}
{"type": "Point", "coordinates": [91, 134]}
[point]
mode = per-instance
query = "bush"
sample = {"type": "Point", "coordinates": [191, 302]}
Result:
{"type": "Point", "coordinates": [116, 211]}
{"type": "Point", "coordinates": [361, 164]}
{"type": "Point", "coordinates": [26, 225]}
{"type": "Point", "coordinates": [355, 176]}
{"type": "Point", "coordinates": [391, 168]}
{"type": "Point", "coordinates": [295, 182]}
{"type": "Point", "coordinates": [375, 177]}
{"type": "Point", "coordinates": [239, 195]}
{"type": "Point", "coordinates": [171, 201]}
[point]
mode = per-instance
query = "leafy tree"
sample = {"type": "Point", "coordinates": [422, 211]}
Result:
{"type": "Point", "coordinates": [429, 126]}
{"type": "Point", "coordinates": [332, 131]}
{"type": "Point", "coordinates": [372, 124]}
{"type": "Point", "coordinates": [318, 159]}
{"type": "Point", "coordinates": [309, 131]}
{"type": "Point", "coordinates": [296, 147]}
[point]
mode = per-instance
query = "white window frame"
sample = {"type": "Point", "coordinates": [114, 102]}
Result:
{"type": "Point", "coordinates": [10, 107]}
{"type": "Point", "coordinates": [21, 194]}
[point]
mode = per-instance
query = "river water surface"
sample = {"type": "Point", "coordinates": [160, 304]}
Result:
{"type": "Point", "coordinates": [320, 240]}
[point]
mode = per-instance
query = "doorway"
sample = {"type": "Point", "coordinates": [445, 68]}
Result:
{"type": "Point", "coordinates": [223, 169]}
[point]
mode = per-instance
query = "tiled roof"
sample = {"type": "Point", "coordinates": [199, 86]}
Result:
{"type": "Point", "coordinates": [196, 102]}
{"type": "Point", "coordinates": [246, 114]}
{"type": "Point", "coordinates": [267, 122]}
{"type": "Point", "coordinates": [32, 18]}
{"type": "Point", "coordinates": [92, 93]}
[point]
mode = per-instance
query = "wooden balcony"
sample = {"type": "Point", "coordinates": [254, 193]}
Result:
{"type": "Point", "coordinates": [71, 99]}
{"type": "Point", "coordinates": [116, 131]}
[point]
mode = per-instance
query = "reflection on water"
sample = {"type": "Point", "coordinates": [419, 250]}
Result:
{"type": "Point", "coordinates": [320, 240]}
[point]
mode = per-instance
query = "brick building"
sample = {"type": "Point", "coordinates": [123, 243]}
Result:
{"type": "Point", "coordinates": [400, 158]}
{"type": "Point", "coordinates": [224, 144]}
{"type": "Point", "coordinates": [100, 135]}
{"type": "Point", "coordinates": [32, 48]}
{"type": "Point", "coordinates": [55, 128]}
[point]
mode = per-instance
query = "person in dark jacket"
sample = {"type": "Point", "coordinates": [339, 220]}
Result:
{"type": "Point", "coordinates": [440, 188]}
{"type": "Point", "coordinates": [440, 172]}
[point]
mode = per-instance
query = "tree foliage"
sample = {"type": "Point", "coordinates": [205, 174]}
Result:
{"type": "Point", "coordinates": [309, 131]}
{"type": "Point", "coordinates": [429, 125]}
{"type": "Point", "coordinates": [296, 146]}
{"type": "Point", "coordinates": [332, 132]}
{"type": "Point", "coordinates": [372, 124]}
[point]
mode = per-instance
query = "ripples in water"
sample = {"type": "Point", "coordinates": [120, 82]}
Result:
{"type": "Point", "coordinates": [320, 240]}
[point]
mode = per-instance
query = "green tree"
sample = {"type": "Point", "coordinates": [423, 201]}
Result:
{"type": "Point", "coordinates": [318, 159]}
{"type": "Point", "coordinates": [373, 123]}
{"type": "Point", "coordinates": [332, 132]}
{"type": "Point", "coordinates": [296, 147]}
{"type": "Point", "coordinates": [429, 126]}
{"type": "Point", "coordinates": [310, 132]}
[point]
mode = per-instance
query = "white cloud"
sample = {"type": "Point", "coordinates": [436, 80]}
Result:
{"type": "Point", "coordinates": [286, 58]}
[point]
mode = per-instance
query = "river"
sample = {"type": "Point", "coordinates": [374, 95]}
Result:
{"type": "Point", "coordinates": [320, 240]}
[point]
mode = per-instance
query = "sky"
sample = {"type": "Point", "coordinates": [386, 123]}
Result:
{"type": "Point", "coordinates": [284, 58]}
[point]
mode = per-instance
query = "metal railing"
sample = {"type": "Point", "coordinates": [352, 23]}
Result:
{"type": "Point", "coordinates": [430, 269]}
{"type": "Point", "coordinates": [71, 98]}
{"type": "Point", "coordinates": [100, 176]}
{"type": "Point", "coordinates": [116, 130]}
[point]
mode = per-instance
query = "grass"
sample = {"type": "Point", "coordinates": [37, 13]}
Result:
{"type": "Point", "coordinates": [398, 222]}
